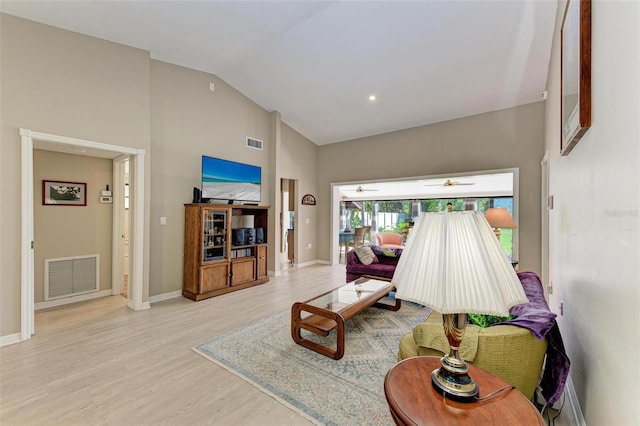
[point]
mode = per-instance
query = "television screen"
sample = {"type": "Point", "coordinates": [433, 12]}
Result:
{"type": "Point", "coordinates": [228, 180]}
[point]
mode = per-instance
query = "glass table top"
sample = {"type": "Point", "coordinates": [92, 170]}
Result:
{"type": "Point", "coordinates": [348, 294]}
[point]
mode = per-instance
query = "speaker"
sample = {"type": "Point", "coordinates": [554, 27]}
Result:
{"type": "Point", "coordinates": [259, 235]}
{"type": "Point", "coordinates": [197, 195]}
{"type": "Point", "coordinates": [250, 235]}
{"type": "Point", "coordinates": [238, 237]}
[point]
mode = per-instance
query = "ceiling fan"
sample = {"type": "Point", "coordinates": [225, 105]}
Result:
{"type": "Point", "coordinates": [450, 183]}
{"type": "Point", "coordinates": [361, 189]}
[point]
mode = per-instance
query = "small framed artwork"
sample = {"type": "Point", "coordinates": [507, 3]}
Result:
{"type": "Point", "coordinates": [58, 193]}
{"type": "Point", "coordinates": [308, 200]}
{"type": "Point", "coordinates": [575, 70]}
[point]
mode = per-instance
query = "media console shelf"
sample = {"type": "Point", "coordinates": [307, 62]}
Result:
{"type": "Point", "coordinates": [215, 261]}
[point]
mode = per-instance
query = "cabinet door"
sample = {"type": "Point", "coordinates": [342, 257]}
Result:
{"type": "Point", "coordinates": [262, 261]}
{"type": "Point", "coordinates": [243, 270]}
{"type": "Point", "coordinates": [214, 235]}
{"type": "Point", "coordinates": [214, 277]}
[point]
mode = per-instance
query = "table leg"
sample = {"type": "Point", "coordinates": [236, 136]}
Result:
{"type": "Point", "coordinates": [395, 307]}
{"type": "Point", "coordinates": [297, 324]}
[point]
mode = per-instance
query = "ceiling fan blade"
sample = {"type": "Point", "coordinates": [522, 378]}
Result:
{"type": "Point", "coordinates": [449, 183]}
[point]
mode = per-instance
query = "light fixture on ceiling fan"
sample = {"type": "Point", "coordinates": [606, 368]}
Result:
{"type": "Point", "coordinates": [450, 183]}
{"type": "Point", "coordinates": [361, 189]}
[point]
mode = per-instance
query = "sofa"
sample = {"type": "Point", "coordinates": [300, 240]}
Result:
{"type": "Point", "coordinates": [383, 266]}
{"type": "Point", "coordinates": [513, 350]}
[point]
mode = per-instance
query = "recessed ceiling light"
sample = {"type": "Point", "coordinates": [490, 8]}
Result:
{"type": "Point", "coordinates": [372, 98]}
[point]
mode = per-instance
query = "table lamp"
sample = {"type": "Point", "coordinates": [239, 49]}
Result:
{"type": "Point", "coordinates": [454, 264]}
{"type": "Point", "coordinates": [499, 218]}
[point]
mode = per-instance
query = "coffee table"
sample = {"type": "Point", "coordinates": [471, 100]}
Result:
{"type": "Point", "coordinates": [332, 309]}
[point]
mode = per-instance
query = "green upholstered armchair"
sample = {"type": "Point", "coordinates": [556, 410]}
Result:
{"type": "Point", "coordinates": [509, 352]}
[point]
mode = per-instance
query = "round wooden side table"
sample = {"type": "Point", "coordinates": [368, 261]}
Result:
{"type": "Point", "coordinates": [414, 401]}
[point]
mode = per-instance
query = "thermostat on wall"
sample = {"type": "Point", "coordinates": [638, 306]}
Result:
{"type": "Point", "coordinates": [106, 200]}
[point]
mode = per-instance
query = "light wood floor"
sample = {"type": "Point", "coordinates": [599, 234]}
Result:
{"type": "Point", "coordinates": [99, 363]}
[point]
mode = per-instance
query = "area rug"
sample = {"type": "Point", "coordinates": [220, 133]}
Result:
{"type": "Point", "coordinates": [349, 391]}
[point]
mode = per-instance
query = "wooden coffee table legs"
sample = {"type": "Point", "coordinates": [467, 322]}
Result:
{"type": "Point", "coordinates": [320, 322]}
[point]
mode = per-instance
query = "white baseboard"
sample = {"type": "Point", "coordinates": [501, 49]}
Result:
{"type": "Point", "coordinates": [165, 296]}
{"type": "Point", "coordinates": [9, 339]}
{"type": "Point", "coordinates": [72, 299]}
{"type": "Point", "coordinates": [145, 305]}
{"type": "Point", "coordinates": [570, 392]}
{"type": "Point", "coordinates": [305, 264]}
{"type": "Point", "coordinates": [300, 265]}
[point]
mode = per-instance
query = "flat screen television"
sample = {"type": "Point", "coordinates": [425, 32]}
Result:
{"type": "Point", "coordinates": [228, 180]}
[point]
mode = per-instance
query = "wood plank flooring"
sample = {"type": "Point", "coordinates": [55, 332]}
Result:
{"type": "Point", "coordinates": [99, 363]}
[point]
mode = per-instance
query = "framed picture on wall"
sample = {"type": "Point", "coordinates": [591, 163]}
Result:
{"type": "Point", "coordinates": [575, 70]}
{"type": "Point", "coordinates": [59, 193]}
{"type": "Point", "coordinates": [309, 200]}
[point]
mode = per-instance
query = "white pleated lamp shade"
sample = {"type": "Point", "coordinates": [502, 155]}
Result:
{"type": "Point", "coordinates": [453, 263]}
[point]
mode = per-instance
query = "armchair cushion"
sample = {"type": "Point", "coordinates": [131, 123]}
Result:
{"type": "Point", "coordinates": [513, 350]}
{"type": "Point", "coordinates": [511, 353]}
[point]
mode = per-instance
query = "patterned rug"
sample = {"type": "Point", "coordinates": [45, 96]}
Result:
{"type": "Point", "coordinates": [348, 391]}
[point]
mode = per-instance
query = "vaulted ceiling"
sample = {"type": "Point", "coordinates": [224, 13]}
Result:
{"type": "Point", "coordinates": [317, 62]}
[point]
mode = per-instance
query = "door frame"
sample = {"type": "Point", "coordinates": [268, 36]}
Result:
{"type": "Point", "coordinates": [27, 138]}
{"type": "Point", "coordinates": [117, 266]}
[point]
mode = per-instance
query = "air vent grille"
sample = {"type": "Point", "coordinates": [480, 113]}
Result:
{"type": "Point", "coordinates": [70, 276]}
{"type": "Point", "coordinates": [254, 143]}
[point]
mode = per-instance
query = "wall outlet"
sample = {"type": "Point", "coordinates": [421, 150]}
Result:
{"type": "Point", "coordinates": [163, 220]}
{"type": "Point", "coordinates": [308, 246]}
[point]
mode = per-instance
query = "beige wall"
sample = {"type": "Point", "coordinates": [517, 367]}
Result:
{"type": "Point", "coordinates": [593, 228]}
{"type": "Point", "coordinates": [497, 140]}
{"type": "Point", "coordinates": [60, 82]}
{"type": "Point", "coordinates": [64, 231]}
{"type": "Point", "coordinates": [189, 121]}
{"type": "Point", "coordinates": [299, 161]}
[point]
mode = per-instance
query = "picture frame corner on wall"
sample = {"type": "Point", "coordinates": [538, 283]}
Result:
{"type": "Point", "coordinates": [62, 193]}
{"type": "Point", "coordinates": [575, 73]}
{"type": "Point", "coordinates": [308, 200]}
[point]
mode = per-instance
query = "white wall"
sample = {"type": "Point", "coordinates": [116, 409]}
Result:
{"type": "Point", "coordinates": [593, 235]}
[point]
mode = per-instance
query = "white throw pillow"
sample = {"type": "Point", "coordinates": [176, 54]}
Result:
{"type": "Point", "coordinates": [365, 255]}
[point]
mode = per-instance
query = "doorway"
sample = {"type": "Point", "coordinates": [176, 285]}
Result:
{"type": "Point", "coordinates": [287, 224]}
{"type": "Point", "coordinates": [467, 185]}
{"type": "Point", "coordinates": [31, 140]}
{"type": "Point", "coordinates": [121, 265]}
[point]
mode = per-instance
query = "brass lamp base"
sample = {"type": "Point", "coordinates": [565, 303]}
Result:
{"type": "Point", "coordinates": [452, 378]}
{"type": "Point", "coordinates": [454, 385]}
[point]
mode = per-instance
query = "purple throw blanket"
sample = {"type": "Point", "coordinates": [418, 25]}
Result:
{"type": "Point", "coordinates": [537, 318]}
